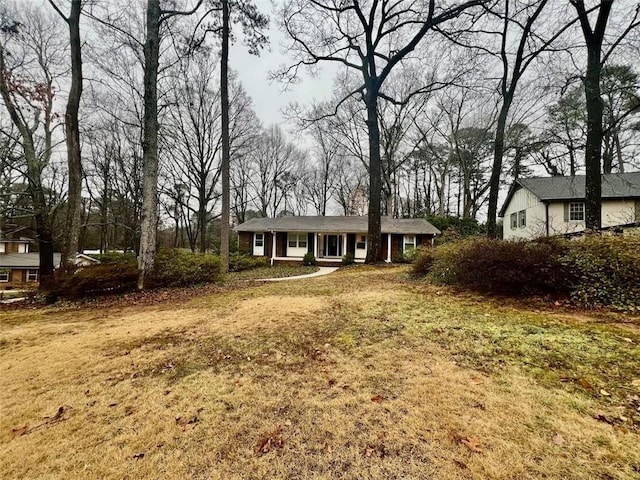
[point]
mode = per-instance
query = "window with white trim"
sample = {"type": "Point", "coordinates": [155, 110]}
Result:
{"type": "Point", "coordinates": [409, 242]}
{"type": "Point", "coordinates": [576, 211]}
{"type": "Point", "coordinates": [3, 248]}
{"type": "Point", "coordinates": [32, 275]}
{"type": "Point", "coordinates": [4, 275]}
{"type": "Point", "coordinates": [259, 239]}
{"type": "Point", "coordinates": [297, 240]}
{"type": "Point", "coordinates": [361, 244]}
{"type": "Point", "coordinates": [522, 218]}
{"type": "Point", "coordinates": [514, 221]}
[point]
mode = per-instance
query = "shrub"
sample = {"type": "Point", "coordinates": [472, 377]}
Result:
{"type": "Point", "coordinates": [173, 268]}
{"type": "Point", "coordinates": [309, 259]}
{"type": "Point", "coordinates": [604, 271]}
{"type": "Point", "coordinates": [422, 262]}
{"type": "Point", "coordinates": [348, 259]}
{"type": "Point", "coordinates": [108, 278]}
{"type": "Point", "coordinates": [498, 266]}
{"type": "Point", "coordinates": [239, 262]}
{"type": "Point", "coordinates": [115, 257]}
{"type": "Point", "coordinates": [177, 268]}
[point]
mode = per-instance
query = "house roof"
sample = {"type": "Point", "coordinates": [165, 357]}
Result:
{"type": "Point", "coordinates": [614, 185]}
{"type": "Point", "coordinates": [24, 260]}
{"type": "Point", "coordinates": [336, 224]}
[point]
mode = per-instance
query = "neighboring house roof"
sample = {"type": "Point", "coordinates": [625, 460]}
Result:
{"type": "Point", "coordinates": [24, 260]}
{"type": "Point", "coordinates": [13, 240]}
{"type": "Point", "coordinates": [614, 185]}
{"type": "Point", "coordinates": [336, 224]}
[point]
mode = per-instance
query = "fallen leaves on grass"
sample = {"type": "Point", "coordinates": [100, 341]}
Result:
{"type": "Point", "coordinates": [472, 443]}
{"type": "Point", "coordinates": [585, 383]}
{"type": "Point", "coordinates": [269, 441]}
{"type": "Point", "coordinates": [377, 398]}
{"type": "Point", "coordinates": [138, 456]}
{"type": "Point", "coordinates": [56, 418]}
{"type": "Point", "coordinates": [187, 424]}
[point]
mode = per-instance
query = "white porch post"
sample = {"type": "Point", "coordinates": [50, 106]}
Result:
{"type": "Point", "coordinates": [344, 244]}
{"type": "Point", "coordinates": [388, 248]}
{"type": "Point", "coordinates": [273, 248]}
{"type": "Point", "coordinates": [315, 245]}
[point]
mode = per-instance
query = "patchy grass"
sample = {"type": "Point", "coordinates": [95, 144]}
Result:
{"type": "Point", "coordinates": [359, 374]}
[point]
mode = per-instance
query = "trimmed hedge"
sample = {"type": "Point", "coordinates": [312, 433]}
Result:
{"type": "Point", "coordinates": [593, 272]}
{"type": "Point", "coordinates": [173, 268]}
{"type": "Point", "coordinates": [239, 262]}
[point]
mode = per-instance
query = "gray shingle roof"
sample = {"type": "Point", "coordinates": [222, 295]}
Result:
{"type": "Point", "coordinates": [24, 260]}
{"type": "Point", "coordinates": [614, 185]}
{"type": "Point", "coordinates": [336, 225]}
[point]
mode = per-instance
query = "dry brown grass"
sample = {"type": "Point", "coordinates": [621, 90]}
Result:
{"type": "Point", "coordinates": [360, 374]}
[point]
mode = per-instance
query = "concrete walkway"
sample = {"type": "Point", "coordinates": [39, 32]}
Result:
{"type": "Point", "coordinates": [319, 273]}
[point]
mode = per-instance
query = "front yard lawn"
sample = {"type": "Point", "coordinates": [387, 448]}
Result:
{"type": "Point", "coordinates": [361, 374]}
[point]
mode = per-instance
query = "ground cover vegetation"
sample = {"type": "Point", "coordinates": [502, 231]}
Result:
{"type": "Point", "coordinates": [597, 271]}
{"type": "Point", "coordinates": [365, 373]}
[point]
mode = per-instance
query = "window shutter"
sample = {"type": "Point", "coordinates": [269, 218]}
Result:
{"type": "Point", "coordinates": [566, 211]}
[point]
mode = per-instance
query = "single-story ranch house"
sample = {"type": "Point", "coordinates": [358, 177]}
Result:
{"type": "Point", "coordinates": [288, 239]}
{"type": "Point", "coordinates": [538, 207]}
{"type": "Point", "coordinates": [20, 269]}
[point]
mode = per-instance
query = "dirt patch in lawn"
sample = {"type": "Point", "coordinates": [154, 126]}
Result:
{"type": "Point", "coordinates": [361, 375]}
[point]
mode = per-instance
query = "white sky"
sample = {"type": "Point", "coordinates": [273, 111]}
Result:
{"type": "Point", "coordinates": [269, 97]}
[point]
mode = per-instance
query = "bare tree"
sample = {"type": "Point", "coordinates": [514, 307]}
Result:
{"type": "Point", "coordinates": [31, 50]}
{"type": "Point", "coordinates": [371, 39]}
{"type": "Point", "coordinates": [594, 36]}
{"type": "Point", "coordinates": [72, 132]}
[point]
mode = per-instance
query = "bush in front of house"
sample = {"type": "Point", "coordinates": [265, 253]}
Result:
{"type": "Point", "coordinates": [604, 271]}
{"type": "Point", "coordinates": [173, 268]}
{"type": "Point", "coordinates": [179, 268]}
{"type": "Point", "coordinates": [94, 280]}
{"type": "Point", "coordinates": [592, 272]}
{"type": "Point", "coordinates": [309, 259]}
{"type": "Point", "coordinates": [348, 259]}
{"type": "Point", "coordinates": [239, 262]}
{"type": "Point", "coordinates": [498, 266]}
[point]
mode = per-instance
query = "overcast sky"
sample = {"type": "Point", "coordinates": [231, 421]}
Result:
{"type": "Point", "coordinates": [268, 96]}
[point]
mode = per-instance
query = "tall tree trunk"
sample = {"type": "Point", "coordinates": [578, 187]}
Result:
{"type": "Point", "coordinates": [593, 154]}
{"type": "Point", "coordinates": [149, 218]}
{"type": "Point", "coordinates": [593, 151]}
{"type": "Point", "coordinates": [74, 160]}
{"type": "Point", "coordinates": [374, 247]}
{"type": "Point", "coordinates": [224, 99]}
{"type": "Point", "coordinates": [496, 169]}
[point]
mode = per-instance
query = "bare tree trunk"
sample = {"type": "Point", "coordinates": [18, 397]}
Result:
{"type": "Point", "coordinates": [374, 246]}
{"type": "Point", "coordinates": [148, 226]}
{"type": "Point", "coordinates": [496, 170]}
{"type": "Point", "coordinates": [74, 159]}
{"type": "Point", "coordinates": [593, 151]}
{"type": "Point", "coordinates": [224, 99]}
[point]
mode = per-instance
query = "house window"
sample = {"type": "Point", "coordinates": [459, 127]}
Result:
{"type": "Point", "coordinates": [259, 242]}
{"type": "Point", "coordinates": [361, 244]}
{"type": "Point", "coordinates": [4, 276]}
{"type": "Point", "coordinates": [409, 242]}
{"type": "Point", "coordinates": [32, 275]}
{"type": "Point", "coordinates": [2, 247]}
{"type": "Point", "coordinates": [297, 240]}
{"type": "Point", "coordinates": [576, 211]}
{"type": "Point", "coordinates": [522, 218]}
{"type": "Point", "coordinates": [514, 221]}
{"type": "Point", "coordinates": [23, 248]}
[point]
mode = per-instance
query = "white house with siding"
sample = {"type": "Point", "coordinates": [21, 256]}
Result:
{"type": "Point", "coordinates": [547, 206]}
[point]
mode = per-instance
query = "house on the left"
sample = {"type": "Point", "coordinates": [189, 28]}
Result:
{"type": "Point", "coordinates": [20, 268]}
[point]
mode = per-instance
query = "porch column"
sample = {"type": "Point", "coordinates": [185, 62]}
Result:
{"type": "Point", "coordinates": [388, 248]}
{"type": "Point", "coordinates": [344, 244]}
{"type": "Point", "coordinates": [273, 248]}
{"type": "Point", "coordinates": [315, 245]}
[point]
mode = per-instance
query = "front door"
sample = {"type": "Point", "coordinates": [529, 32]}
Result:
{"type": "Point", "coordinates": [332, 246]}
